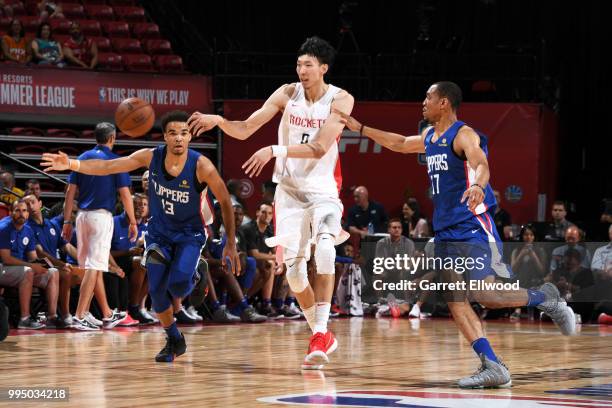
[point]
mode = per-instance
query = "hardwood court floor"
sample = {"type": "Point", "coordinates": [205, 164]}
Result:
{"type": "Point", "coordinates": [383, 362]}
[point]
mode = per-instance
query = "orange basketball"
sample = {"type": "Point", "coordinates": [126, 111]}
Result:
{"type": "Point", "coordinates": [134, 117]}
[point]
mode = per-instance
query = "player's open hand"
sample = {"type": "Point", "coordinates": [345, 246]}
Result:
{"type": "Point", "coordinates": [133, 232]}
{"type": "Point", "coordinates": [474, 196]}
{"type": "Point", "coordinates": [57, 162]}
{"type": "Point", "coordinates": [257, 161]}
{"type": "Point", "coordinates": [200, 122]}
{"type": "Point", "coordinates": [230, 256]}
{"type": "Point", "coordinates": [349, 121]}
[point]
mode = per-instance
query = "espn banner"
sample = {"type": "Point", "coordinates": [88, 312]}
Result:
{"type": "Point", "coordinates": [90, 94]}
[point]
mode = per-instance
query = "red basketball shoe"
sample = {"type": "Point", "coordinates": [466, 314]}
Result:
{"type": "Point", "coordinates": [321, 346]}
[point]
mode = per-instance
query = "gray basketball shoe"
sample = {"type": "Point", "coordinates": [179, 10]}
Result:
{"type": "Point", "coordinates": [489, 375]}
{"type": "Point", "coordinates": [558, 310]}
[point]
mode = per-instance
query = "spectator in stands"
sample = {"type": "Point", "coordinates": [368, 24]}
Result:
{"type": "Point", "coordinates": [268, 190]}
{"type": "Point", "coordinates": [394, 245]}
{"type": "Point", "coordinates": [95, 222]}
{"type": "Point", "coordinates": [14, 45]}
{"type": "Point", "coordinates": [571, 276]}
{"type": "Point", "coordinates": [33, 186]}
{"type": "Point", "coordinates": [20, 268]}
{"type": "Point", "coordinates": [528, 263]}
{"type": "Point", "coordinates": [413, 224]}
{"type": "Point", "coordinates": [49, 243]}
{"type": "Point", "coordinates": [48, 9]}
{"type": "Point", "coordinates": [502, 218]}
{"type": "Point", "coordinates": [5, 9]}
{"type": "Point", "coordinates": [79, 50]}
{"type": "Point", "coordinates": [8, 180]}
{"type": "Point", "coordinates": [602, 259]}
{"type": "Point", "coordinates": [366, 217]}
{"type": "Point", "coordinates": [233, 187]}
{"type": "Point", "coordinates": [572, 239]}
{"type": "Point", "coordinates": [144, 182]}
{"type": "Point", "coordinates": [556, 229]}
{"type": "Point", "coordinates": [46, 50]}
{"type": "Point", "coordinates": [255, 234]}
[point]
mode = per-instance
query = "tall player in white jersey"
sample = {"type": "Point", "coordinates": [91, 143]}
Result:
{"type": "Point", "coordinates": [307, 171]}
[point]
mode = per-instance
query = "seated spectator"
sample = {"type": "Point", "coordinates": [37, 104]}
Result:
{"type": "Point", "coordinates": [602, 271]}
{"type": "Point", "coordinates": [8, 180]}
{"type": "Point", "coordinates": [348, 280]}
{"type": "Point", "coordinates": [6, 10]}
{"type": "Point", "coordinates": [572, 239]}
{"type": "Point", "coordinates": [15, 48]}
{"type": "Point", "coordinates": [366, 217]}
{"type": "Point", "coordinates": [502, 219]}
{"type": "Point", "coordinates": [413, 224]}
{"type": "Point", "coordinates": [255, 234]}
{"type": "Point", "coordinates": [556, 229]}
{"type": "Point", "coordinates": [20, 269]}
{"type": "Point", "coordinates": [48, 9]}
{"type": "Point", "coordinates": [528, 263]}
{"type": "Point", "coordinates": [79, 50]}
{"type": "Point", "coordinates": [394, 245]}
{"type": "Point", "coordinates": [571, 277]}
{"type": "Point", "coordinates": [33, 186]}
{"type": "Point", "coordinates": [46, 50]}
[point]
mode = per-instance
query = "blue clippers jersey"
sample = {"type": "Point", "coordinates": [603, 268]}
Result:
{"type": "Point", "coordinates": [176, 204]}
{"type": "Point", "coordinates": [450, 176]}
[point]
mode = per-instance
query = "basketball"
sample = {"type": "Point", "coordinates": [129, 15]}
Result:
{"type": "Point", "coordinates": [134, 117]}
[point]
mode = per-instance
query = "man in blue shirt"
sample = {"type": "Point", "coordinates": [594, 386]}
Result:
{"type": "Point", "coordinates": [94, 223]}
{"type": "Point", "coordinates": [18, 255]}
{"type": "Point", "coordinates": [49, 242]}
{"type": "Point", "coordinates": [366, 217]}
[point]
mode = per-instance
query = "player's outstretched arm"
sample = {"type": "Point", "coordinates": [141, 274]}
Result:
{"type": "Point", "coordinates": [328, 135]}
{"type": "Point", "coordinates": [242, 129]}
{"type": "Point", "coordinates": [61, 161]}
{"type": "Point", "coordinates": [207, 173]}
{"type": "Point", "coordinates": [390, 140]}
{"type": "Point", "coordinates": [467, 143]}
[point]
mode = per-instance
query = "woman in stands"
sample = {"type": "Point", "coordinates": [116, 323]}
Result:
{"type": "Point", "coordinates": [46, 50]}
{"type": "Point", "coordinates": [14, 45]}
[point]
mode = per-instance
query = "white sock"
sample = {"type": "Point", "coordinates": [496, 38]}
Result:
{"type": "Point", "coordinates": [321, 317]}
{"type": "Point", "coordinates": [309, 314]}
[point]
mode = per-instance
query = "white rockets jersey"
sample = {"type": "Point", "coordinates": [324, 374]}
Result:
{"type": "Point", "coordinates": [300, 124]}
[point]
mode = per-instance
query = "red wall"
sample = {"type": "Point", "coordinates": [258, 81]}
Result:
{"type": "Point", "coordinates": [521, 152]}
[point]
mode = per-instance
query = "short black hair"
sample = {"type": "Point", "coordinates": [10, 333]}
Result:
{"type": "Point", "coordinates": [269, 204]}
{"type": "Point", "coordinates": [40, 28]}
{"type": "Point", "coordinates": [560, 202]}
{"type": "Point", "coordinates": [173, 116]}
{"type": "Point", "coordinates": [32, 181]}
{"type": "Point", "coordinates": [104, 131]}
{"type": "Point", "coordinates": [318, 48]}
{"type": "Point", "coordinates": [451, 91]}
{"type": "Point", "coordinates": [21, 32]}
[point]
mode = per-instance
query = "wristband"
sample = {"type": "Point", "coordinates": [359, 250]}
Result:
{"type": "Point", "coordinates": [479, 186]}
{"type": "Point", "coordinates": [78, 164]}
{"type": "Point", "coordinates": [67, 222]}
{"type": "Point", "coordinates": [279, 151]}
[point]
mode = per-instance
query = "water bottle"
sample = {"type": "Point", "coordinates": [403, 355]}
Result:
{"type": "Point", "coordinates": [370, 228]}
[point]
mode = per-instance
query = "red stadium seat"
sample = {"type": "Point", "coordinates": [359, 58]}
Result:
{"type": "Point", "coordinates": [87, 134]}
{"type": "Point", "coordinates": [69, 150]}
{"type": "Point", "coordinates": [169, 63]}
{"type": "Point", "coordinates": [31, 149]}
{"type": "Point", "coordinates": [73, 10]}
{"type": "Point", "coordinates": [5, 23]}
{"type": "Point", "coordinates": [18, 9]}
{"type": "Point", "coordinates": [117, 29]}
{"type": "Point", "coordinates": [122, 2]}
{"type": "Point", "coordinates": [100, 12]}
{"type": "Point", "coordinates": [31, 7]}
{"type": "Point", "coordinates": [91, 27]}
{"type": "Point", "coordinates": [110, 61]}
{"type": "Point", "coordinates": [62, 133]}
{"type": "Point", "coordinates": [138, 63]}
{"type": "Point", "coordinates": [127, 45]}
{"type": "Point", "coordinates": [131, 14]}
{"type": "Point", "coordinates": [60, 25]}
{"type": "Point", "coordinates": [61, 38]}
{"type": "Point", "coordinates": [95, 2]}
{"type": "Point", "coordinates": [30, 23]}
{"type": "Point", "coordinates": [145, 30]}
{"type": "Point", "coordinates": [158, 47]}
{"type": "Point", "coordinates": [103, 43]}
{"type": "Point", "coordinates": [4, 210]}
{"type": "Point", "coordinates": [26, 131]}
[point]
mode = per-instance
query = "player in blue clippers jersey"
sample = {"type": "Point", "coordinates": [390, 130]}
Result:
{"type": "Point", "coordinates": [464, 204]}
{"type": "Point", "coordinates": [179, 178]}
